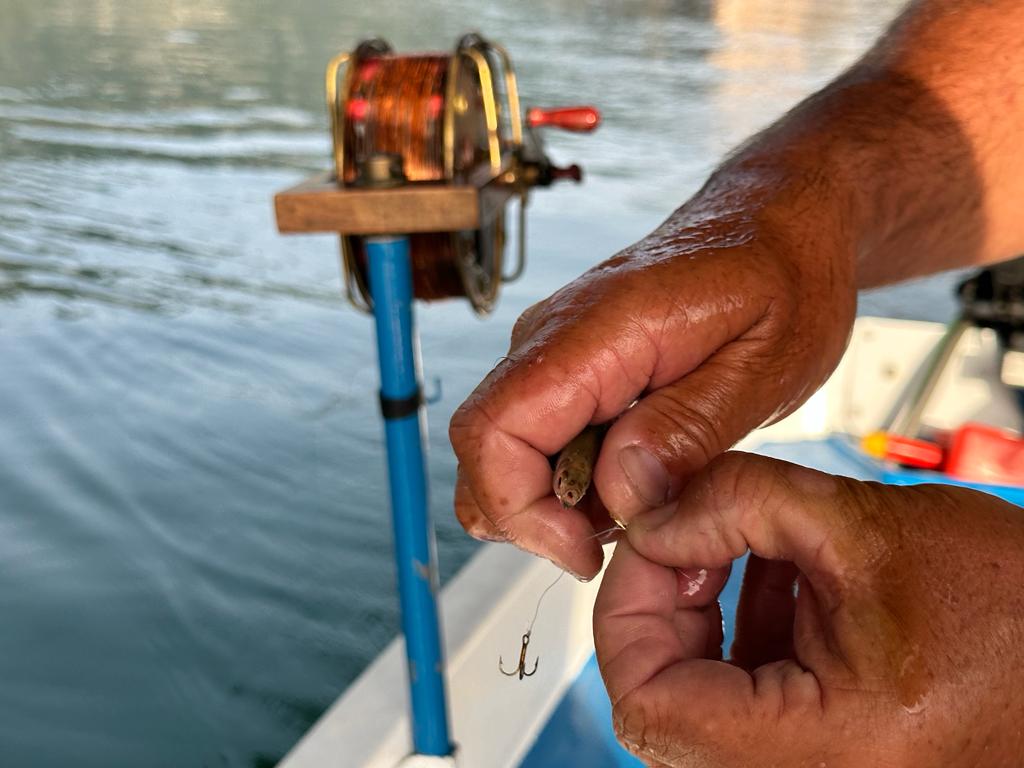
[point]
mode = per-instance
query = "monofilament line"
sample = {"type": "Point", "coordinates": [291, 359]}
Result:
{"type": "Point", "coordinates": [562, 573]}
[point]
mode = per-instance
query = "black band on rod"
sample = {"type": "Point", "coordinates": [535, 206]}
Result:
{"type": "Point", "coordinates": [400, 407]}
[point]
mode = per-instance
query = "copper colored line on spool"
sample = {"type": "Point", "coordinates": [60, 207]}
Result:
{"type": "Point", "coordinates": [397, 106]}
{"type": "Point", "coordinates": [403, 96]}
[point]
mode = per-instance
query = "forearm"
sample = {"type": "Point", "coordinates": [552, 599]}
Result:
{"type": "Point", "coordinates": [913, 159]}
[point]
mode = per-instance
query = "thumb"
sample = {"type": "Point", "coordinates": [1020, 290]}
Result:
{"type": "Point", "coordinates": [677, 429]}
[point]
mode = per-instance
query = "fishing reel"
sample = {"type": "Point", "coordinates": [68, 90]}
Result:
{"type": "Point", "coordinates": [451, 130]}
{"type": "Point", "coordinates": [994, 298]}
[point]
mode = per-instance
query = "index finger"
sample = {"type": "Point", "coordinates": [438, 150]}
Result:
{"type": "Point", "coordinates": [508, 476]}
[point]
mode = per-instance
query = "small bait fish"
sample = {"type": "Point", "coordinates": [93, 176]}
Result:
{"type": "Point", "coordinates": [575, 466]}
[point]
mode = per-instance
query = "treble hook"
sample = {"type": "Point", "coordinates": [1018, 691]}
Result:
{"type": "Point", "coordinates": [521, 669]}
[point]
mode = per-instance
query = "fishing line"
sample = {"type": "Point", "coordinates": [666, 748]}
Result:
{"type": "Point", "coordinates": [540, 599]}
{"type": "Point", "coordinates": [520, 670]}
{"type": "Point", "coordinates": [562, 573]}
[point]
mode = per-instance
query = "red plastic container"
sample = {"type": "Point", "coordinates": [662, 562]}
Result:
{"type": "Point", "coordinates": [985, 454]}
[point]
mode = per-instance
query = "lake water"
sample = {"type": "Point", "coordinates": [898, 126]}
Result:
{"type": "Point", "coordinates": [194, 542]}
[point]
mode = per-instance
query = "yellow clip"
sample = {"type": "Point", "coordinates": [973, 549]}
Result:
{"type": "Point", "coordinates": [876, 444]}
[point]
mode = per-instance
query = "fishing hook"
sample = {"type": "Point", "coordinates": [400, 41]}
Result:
{"type": "Point", "coordinates": [521, 669]}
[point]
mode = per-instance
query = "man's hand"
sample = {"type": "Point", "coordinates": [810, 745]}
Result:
{"type": "Point", "coordinates": [904, 644]}
{"type": "Point", "coordinates": [716, 323]}
{"type": "Point", "coordinates": [734, 310]}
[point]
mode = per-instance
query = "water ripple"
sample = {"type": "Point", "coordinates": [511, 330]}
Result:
{"type": "Point", "coordinates": [251, 147]}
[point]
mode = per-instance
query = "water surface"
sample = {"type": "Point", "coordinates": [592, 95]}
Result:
{"type": "Point", "coordinates": [194, 548]}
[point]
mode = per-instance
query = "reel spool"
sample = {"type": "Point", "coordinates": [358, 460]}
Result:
{"type": "Point", "coordinates": [453, 120]}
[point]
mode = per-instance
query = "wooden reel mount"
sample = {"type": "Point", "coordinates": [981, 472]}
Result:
{"type": "Point", "coordinates": [453, 123]}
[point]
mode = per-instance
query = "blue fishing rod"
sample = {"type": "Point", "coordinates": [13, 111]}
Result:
{"type": "Point", "coordinates": [401, 403]}
{"type": "Point", "coordinates": [428, 150]}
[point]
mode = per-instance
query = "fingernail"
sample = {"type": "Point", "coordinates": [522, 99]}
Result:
{"type": "Point", "coordinates": [488, 537]}
{"type": "Point", "coordinates": [579, 577]}
{"type": "Point", "coordinates": [482, 531]}
{"type": "Point", "coordinates": [646, 474]}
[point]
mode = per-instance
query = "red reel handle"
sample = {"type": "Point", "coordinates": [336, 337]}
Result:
{"type": "Point", "coordinates": [572, 173]}
{"type": "Point", "coordinates": [578, 119]}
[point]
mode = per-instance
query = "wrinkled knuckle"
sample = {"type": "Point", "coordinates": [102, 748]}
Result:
{"type": "Point", "coordinates": [726, 483]}
{"type": "Point", "coordinates": [783, 298]}
{"type": "Point", "coordinates": [464, 429]}
{"type": "Point", "coordinates": [731, 500]}
{"type": "Point", "coordinates": [764, 488]}
{"type": "Point", "coordinates": [633, 724]}
{"type": "Point", "coordinates": [651, 734]}
{"type": "Point", "coordinates": [693, 431]}
{"type": "Point", "coordinates": [780, 278]}
{"type": "Point", "coordinates": [785, 289]}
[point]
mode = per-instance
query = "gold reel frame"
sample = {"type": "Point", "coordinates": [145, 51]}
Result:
{"type": "Point", "coordinates": [481, 291]}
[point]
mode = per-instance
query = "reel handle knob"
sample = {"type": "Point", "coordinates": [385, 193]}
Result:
{"type": "Point", "coordinates": [573, 172]}
{"type": "Point", "coordinates": [577, 119]}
